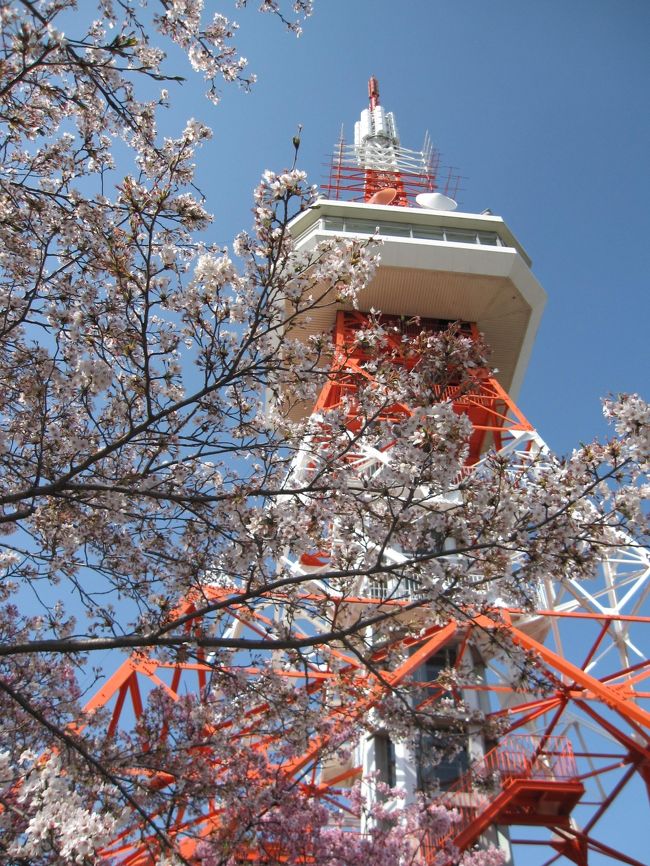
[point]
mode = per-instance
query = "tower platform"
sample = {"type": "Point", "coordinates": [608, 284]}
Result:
{"type": "Point", "coordinates": [438, 264]}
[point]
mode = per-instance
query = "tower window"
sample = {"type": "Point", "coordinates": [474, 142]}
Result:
{"type": "Point", "coordinates": [407, 230]}
{"type": "Point", "coordinates": [395, 229]}
{"type": "Point", "coordinates": [362, 227]}
{"type": "Point", "coordinates": [433, 666]}
{"type": "Point", "coordinates": [428, 234]}
{"type": "Point", "coordinates": [333, 224]}
{"type": "Point", "coordinates": [442, 758]}
{"type": "Point", "coordinates": [442, 755]}
{"type": "Point", "coordinates": [385, 759]}
{"type": "Point", "coordinates": [458, 236]}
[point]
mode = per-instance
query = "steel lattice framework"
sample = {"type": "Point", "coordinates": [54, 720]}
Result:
{"type": "Point", "coordinates": [591, 690]}
{"type": "Point", "coordinates": [572, 744]}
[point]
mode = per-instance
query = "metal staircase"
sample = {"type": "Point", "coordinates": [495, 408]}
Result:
{"type": "Point", "coordinates": [524, 780]}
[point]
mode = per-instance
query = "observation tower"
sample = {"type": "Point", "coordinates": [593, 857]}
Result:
{"type": "Point", "coordinates": [572, 739]}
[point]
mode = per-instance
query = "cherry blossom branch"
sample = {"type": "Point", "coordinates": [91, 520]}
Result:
{"type": "Point", "coordinates": [77, 746]}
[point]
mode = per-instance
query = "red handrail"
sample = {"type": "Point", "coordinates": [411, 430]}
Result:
{"type": "Point", "coordinates": [517, 757]}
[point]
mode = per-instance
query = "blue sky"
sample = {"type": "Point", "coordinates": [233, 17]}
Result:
{"type": "Point", "coordinates": [542, 107]}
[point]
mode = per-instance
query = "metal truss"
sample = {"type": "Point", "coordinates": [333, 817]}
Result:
{"type": "Point", "coordinates": [584, 697]}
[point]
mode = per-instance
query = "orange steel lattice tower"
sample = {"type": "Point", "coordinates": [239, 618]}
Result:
{"type": "Point", "coordinates": [574, 746]}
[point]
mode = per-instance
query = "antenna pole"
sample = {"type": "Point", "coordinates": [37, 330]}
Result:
{"type": "Point", "coordinates": [373, 92]}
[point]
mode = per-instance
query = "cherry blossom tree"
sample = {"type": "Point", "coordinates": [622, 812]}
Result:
{"type": "Point", "coordinates": [148, 455]}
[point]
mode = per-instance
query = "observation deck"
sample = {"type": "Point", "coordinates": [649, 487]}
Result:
{"type": "Point", "coordinates": [438, 264]}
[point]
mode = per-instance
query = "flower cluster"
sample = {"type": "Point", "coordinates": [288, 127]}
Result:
{"type": "Point", "coordinates": [52, 818]}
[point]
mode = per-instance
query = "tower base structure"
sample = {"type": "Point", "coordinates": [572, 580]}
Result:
{"type": "Point", "coordinates": [566, 740]}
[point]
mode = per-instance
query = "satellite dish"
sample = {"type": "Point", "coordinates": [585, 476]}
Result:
{"type": "Point", "coordinates": [384, 196]}
{"type": "Point", "coordinates": [435, 201]}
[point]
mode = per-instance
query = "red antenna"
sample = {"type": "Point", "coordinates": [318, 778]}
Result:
{"type": "Point", "coordinates": [373, 92]}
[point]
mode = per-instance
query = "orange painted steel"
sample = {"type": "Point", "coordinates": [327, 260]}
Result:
{"type": "Point", "coordinates": [494, 416]}
{"type": "Point", "coordinates": [535, 762]}
{"type": "Point", "coordinates": [626, 705]}
{"type": "Point", "coordinates": [348, 180]}
{"type": "Point", "coordinates": [535, 779]}
{"type": "Point", "coordinates": [374, 181]}
{"type": "Point", "coordinates": [507, 786]}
